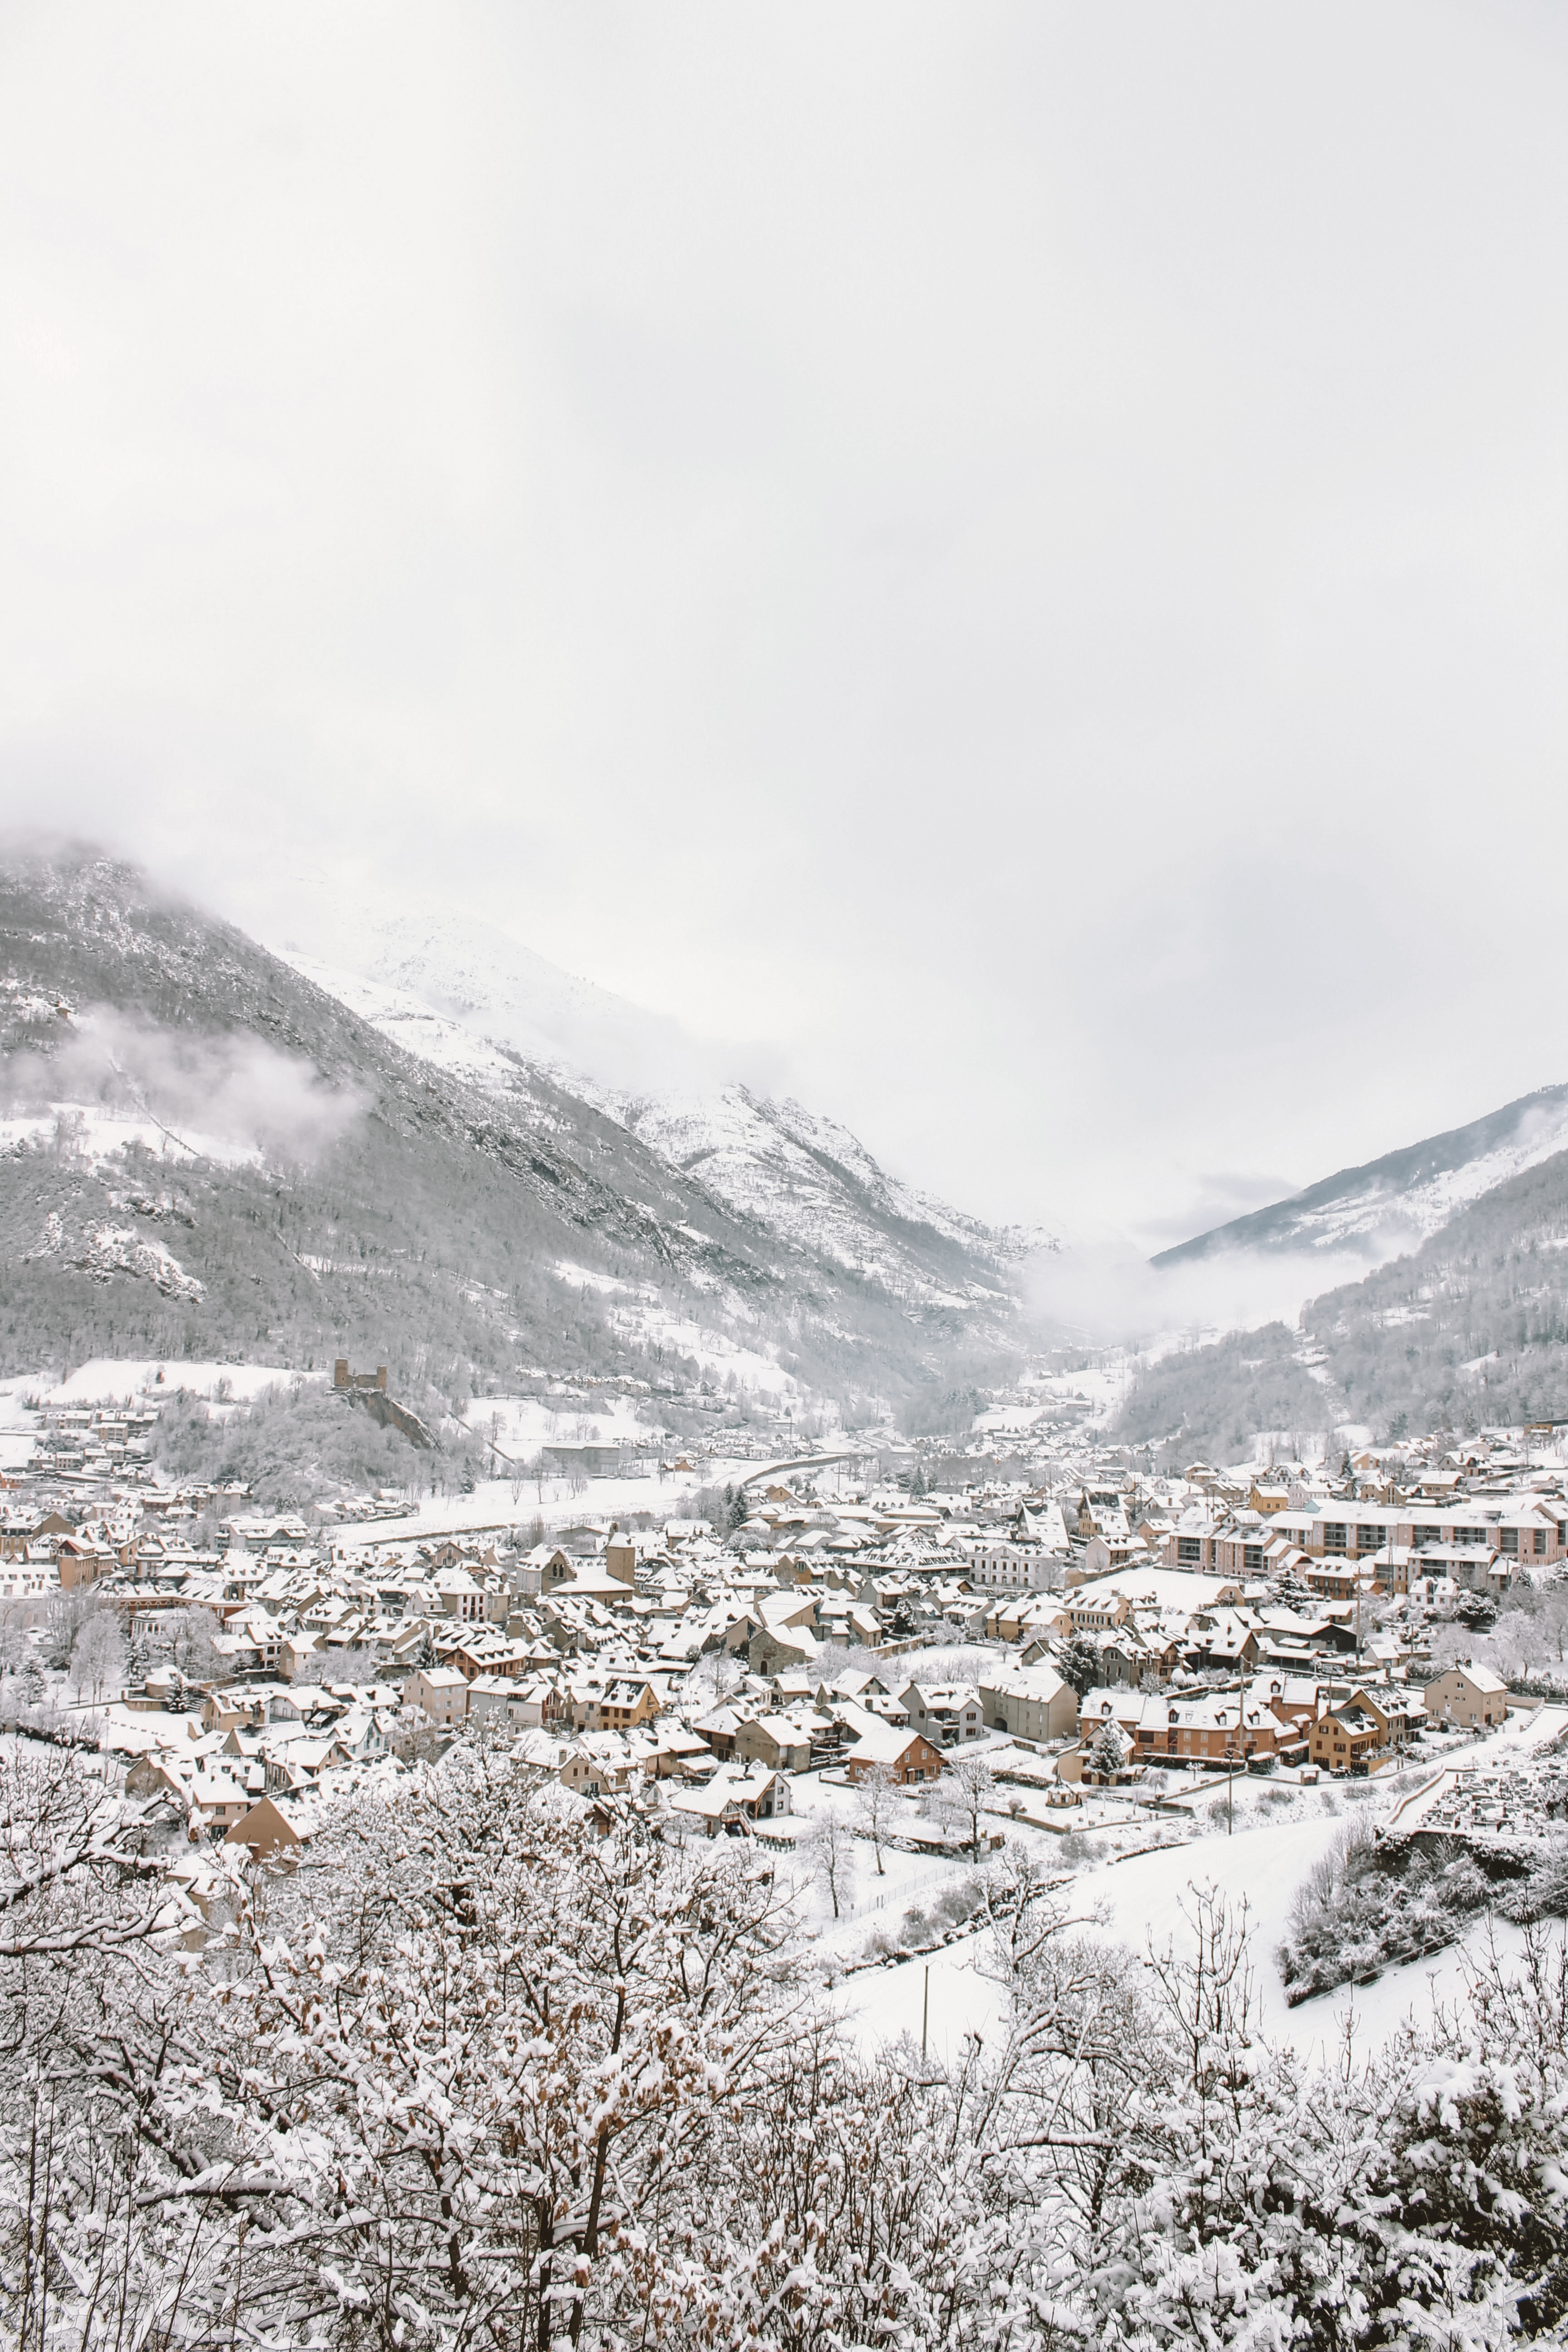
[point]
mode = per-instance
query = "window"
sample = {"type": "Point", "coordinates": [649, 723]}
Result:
{"type": "Point", "coordinates": [1333, 1535]}
{"type": "Point", "coordinates": [1507, 1539]}
{"type": "Point", "coordinates": [1189, 1550]}
{"type": "Point", "coordinates": [1538, 1541]}
{"type": "Point", "coordinates": [1428, 1535]}
{"type": "Point", "coordinates": [1252, 1559]}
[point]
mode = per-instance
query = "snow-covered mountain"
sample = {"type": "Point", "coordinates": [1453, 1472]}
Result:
{"type": "Point", "coordinates": [804, 1174]}
{"type": "Point", "coordinates": [206, 1151]}
{"type": "Point", "coordinates": [1378, 1212]}
{"type": "Point", "coordinates": [805, 1177]}
{"type": "Point", "coordinates": [484, 981]}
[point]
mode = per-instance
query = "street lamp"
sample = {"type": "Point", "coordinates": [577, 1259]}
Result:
{"type": "Point", "coordinates": [1230, 1747]}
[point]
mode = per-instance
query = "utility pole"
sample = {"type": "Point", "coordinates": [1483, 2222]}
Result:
{"type": "Point", "coordinates": [925, 2008]}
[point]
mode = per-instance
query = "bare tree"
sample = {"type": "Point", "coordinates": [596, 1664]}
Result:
{"type": "Point", "coordinates": [14, 1647]}
{"type": "Point", "coordinates": [713, 1677]}
{"type": "Point", "coordinates": [830, 1851]}
{"type": "Point", "coordinates": [357, 1666]}
{"type": "Point", "coordinates": [97, 1661]}
{"type": "Point", "coordinates": [190, 1633]}
{"type": "Point", "coordinates": [877, 1796]}
{"type": "Point", "coordinates": [967, 1790]}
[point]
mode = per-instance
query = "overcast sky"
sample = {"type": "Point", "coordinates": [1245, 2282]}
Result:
{"type": "Point", "coordinates": [1015, 551]}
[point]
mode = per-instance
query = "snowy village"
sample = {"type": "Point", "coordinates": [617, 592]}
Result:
{"type": "Point", "coordinates": [961, 1742]}
{"type": "Point", "coordinates": [783, 1177]}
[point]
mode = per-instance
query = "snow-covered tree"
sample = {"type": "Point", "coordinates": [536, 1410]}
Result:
{"type": "Point", "coordinates": [828, 1848]}
{"type": "Point", "coordinates": [97, 1659]}
{"type": "Point", "coordinates": [966, 1793]}
{"type": "Point", "coordinates": [480, 2079]}
{"type": "Point", "coordinates": [189, 1634]}
{"type": "Point", "coordinates": [878, 1803]}
{"type": "Point", "coordinates": [1079, 1662]}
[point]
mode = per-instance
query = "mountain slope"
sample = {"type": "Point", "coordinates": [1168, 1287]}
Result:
{"type": "Point", "coordinates": [204, 1153]}
{"type": "Point", "coordinates": [1470, 1328]}
{"type": "Point", "coordinates": [807, 1179]}
{"type": "Point", "coordinates": [1393, 1203]}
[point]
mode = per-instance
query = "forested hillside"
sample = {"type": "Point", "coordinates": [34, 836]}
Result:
{"type": "Point", "coordinates": [206, 1155]}
{"type": "Point", "coordinates": [1470, 1328]}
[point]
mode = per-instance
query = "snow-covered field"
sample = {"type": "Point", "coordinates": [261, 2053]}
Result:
{"type": "Point", "coordinates": [1147, 1900]}
{"type": "Point", "coordinates": [557, 1502]}
{"type": "Point", "coordinates": [100, 1135]}
{"type": "Point", "coordinates": [125, 1380]}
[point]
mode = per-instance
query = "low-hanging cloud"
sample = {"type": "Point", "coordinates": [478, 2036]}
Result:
{"type": "Point", "coordinates": [1111, 1298]}
{"type": "Point", "coordinates": [202, 1089]}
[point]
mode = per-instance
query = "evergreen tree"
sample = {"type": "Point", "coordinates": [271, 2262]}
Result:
{"type": "Point", "coordinates": [1077, 1662]}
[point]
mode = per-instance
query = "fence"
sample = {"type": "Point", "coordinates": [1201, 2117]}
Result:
{"type": "Point", "coordinates": [900, 1896]}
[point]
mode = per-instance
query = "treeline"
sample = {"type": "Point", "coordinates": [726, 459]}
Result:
{"type": "Point", "coordinates": [477, 2075]}
{"type": "Point", "coordinates": [1214, 1398]}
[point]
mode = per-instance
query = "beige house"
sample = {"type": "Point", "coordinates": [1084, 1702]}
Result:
{"type": "Point", "coordinates": [1471, 1697]}
{"type": "Point", "coordinates": [1032, 1703]}
{"type": "Point", "coordinates": [441, 1691]}
{"type": "Point", "coordinates": [777, 1742]}
{"type": "Point", "coordinates": [267, 1831]}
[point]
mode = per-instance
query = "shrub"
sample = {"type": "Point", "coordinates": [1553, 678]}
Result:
{"type": "Point", "coordinates": [1364, 1907]}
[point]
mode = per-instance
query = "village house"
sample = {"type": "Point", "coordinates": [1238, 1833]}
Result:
{"type": "Point", "coordinates": [1031, 1703]}
{"type": "Point", "coordinates": [777, 1742]}
{"type": "Point", "coordinates": [947, 1713]}
{"type": "Point", "coordinates": [441, 1693]}
{"type": "Point", "coordinates": [734, 1799]}
{"type": "Point", "coordinates": [268, 1831]}
{"type": "Point", "coordinates": [626, 1706]}
{"type": "Point", "coordinates": [908, 1755]}
{"type": "Point", "coordinates": [1013, 1567]}
{"type": "Point", "coordinates": [1399, 1711]}
{"type": "Point", "coordinates": [1468, 1696]}
{"type": "Point", "coordinates": [1346, 1739]}
{"type": "Point", "coordinates": [1229, 1728]}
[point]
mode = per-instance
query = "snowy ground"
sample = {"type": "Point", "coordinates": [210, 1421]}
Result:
{"type": "Point", "coordinates": [1147, 1900]}
{"type": "Point", "coordinates": [125, 1380]}
{"type": "Point", "coordinates": [17, 1426]}
{"type": "Point", "coordinates": [557, 1502]}
{"type": "Point", "coordinates": [945, 1989]}
{"type": "Point", "coordinates": [100, 1135]}
{"type": "Point", "coordinates": [520, 1425]}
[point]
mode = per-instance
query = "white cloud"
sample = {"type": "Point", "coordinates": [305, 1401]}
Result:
{"type": "Point", "coordinates": [1015, 549]}
{"type": "Point", "coordinates": [202, 1090]}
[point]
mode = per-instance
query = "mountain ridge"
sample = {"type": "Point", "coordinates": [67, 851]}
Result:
{"type": "Point", "coordinates": [1384, 1206]}
{"type": "Point", "coordinates": [1468, 1330]}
